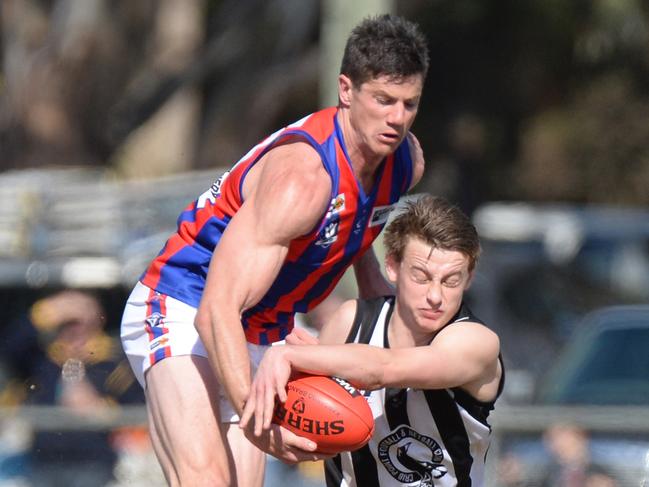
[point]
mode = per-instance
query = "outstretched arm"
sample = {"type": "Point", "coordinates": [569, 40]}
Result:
{"type": "Point", "coordinates": [463, 355]}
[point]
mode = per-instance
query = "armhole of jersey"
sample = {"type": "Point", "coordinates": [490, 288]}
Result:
{"type": "Point", "coordinates": [358, 318]}
{"type": "Point", "coordinates": [501, 384]}
{"type": "Point", "coordinates": [367, 311]}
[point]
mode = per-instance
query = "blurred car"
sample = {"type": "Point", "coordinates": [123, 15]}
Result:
{"type": "Point", "coordinates": [544, 266]}
{"type": "Point", "coordinates": [606, 361]}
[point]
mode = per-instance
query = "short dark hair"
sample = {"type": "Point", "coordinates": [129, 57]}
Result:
{"type": "Point", "coordinates": [384, 45]}
{"type": "Point", "coordinates": [438, 223]}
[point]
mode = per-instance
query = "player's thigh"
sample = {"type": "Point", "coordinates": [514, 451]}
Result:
{"type": "Point", "coordinates": [183, 402]}
{"type": "Point", "coordinates": [249, 461]}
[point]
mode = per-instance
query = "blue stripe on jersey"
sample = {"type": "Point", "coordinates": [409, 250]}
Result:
{"type": "Point", "coordinates": [282, 319]}
{"type": "Point", "coordinates": [351, 250]}
{"type": "Point", "coordinates": [210, 233]}
{"type": "Point", "coordinates": [403, 171]}
{"type": "Point", "coordinates": [188, 272]}
{"type": "Point", "coordinates": [188, 215]}
{"type": "Point", "coordinates": [293, 274]}
{"type": "Point", "coordinates": [341, 141]}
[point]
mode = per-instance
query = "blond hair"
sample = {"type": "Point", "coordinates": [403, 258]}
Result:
{"type": "Point", "coordinates": [438, 223]}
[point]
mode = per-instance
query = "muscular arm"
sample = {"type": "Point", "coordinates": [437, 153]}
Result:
{"type": "Point", "coordinates": [285, 197]}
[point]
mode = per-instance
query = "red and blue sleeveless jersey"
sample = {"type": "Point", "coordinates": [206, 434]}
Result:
{"type": "Point", "coordinates": [315, 262]}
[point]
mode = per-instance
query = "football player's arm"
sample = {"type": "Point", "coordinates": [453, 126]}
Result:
{"type": "Point", "coordinates": [275, 370]}
{"type": "Point", "coordinates": [289, 193]}
{"type": "Point", "coordinates": [460, 356]}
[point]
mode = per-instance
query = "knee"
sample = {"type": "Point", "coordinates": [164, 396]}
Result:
{"type": "Point", "coordinates": [189, 476]}
{"type": "Point", "coordinates": [202, 470]}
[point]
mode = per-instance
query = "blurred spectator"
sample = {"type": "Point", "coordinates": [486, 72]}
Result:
{"type": "Point", "coordinates": [510, 471]}
{"type": "Point", "coordinates": [61, 350]}
{"type": "Point", "coordinates": [571, 464]}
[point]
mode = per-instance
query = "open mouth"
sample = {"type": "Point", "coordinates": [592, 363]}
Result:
{"type": "Point", "coordinates": [388, 137]}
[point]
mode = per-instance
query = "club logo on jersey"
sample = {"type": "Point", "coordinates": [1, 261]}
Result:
{"type": "Point", "coordinates": [155, 319]}
{"type": "Point", "coordinates": [412, 458]}
{"type": "Point", "coordinates": [380, 215]}
{"type": "Point", "coordinates": [329, 234]}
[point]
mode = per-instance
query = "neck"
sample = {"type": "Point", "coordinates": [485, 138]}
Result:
{"type": "Point", "coordinates": [364, 162]}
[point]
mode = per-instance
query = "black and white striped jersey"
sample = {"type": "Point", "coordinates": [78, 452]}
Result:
{"type": "Point", "coordinates": [435, 438]}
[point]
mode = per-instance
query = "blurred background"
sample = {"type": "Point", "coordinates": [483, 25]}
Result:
{"type": "Point", "coordinates": [115, 114]}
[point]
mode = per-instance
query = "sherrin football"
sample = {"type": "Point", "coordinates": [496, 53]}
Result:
{"type": "Point", "coordinates": [327, 410]}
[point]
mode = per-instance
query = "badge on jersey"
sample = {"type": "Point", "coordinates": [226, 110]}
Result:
{"type": "Point", "coordinates": [337, 205]}
{"type": "Point", "coordinates": [380, 215]}
{"type": "Point", "coordinates": [329, 234]}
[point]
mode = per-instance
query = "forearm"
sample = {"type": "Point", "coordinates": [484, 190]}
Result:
{"type": "Point", "coordinates": [226, 346]}
{"type": "Point", "coordinates": [363, 365]}
{"type": "Point", "coordinates": [370, 279]}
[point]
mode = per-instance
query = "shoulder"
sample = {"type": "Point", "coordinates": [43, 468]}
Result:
{"type": "Point", "coordinates": [289, 183]}
{"type": "Point", "coordinates": [337, 327]}
{"type": "Point", "coordinates": [470, 336]}
{"type": "Point", "coordinates": [294, 165]}
{"type": "Point", "coordinates": [294, 160]}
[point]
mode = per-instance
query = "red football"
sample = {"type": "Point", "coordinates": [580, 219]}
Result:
{"type": "Point", "coordinates": [328, 411]}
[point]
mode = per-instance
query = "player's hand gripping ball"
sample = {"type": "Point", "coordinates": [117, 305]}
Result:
{"type": "Point", "coordinates": [327, 410]}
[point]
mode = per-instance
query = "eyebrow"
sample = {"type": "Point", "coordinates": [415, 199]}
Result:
{"type": "Point", "coordinates": [382, 92]}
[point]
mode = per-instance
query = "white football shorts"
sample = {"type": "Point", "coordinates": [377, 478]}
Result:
{"type": "Point", "coordinates": [156, 326]}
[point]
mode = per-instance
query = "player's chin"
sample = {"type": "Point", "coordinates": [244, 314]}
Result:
{"type": "Point", "coordinates": [431, 321]}
{"type": "Point", "coordinates": [386, 145]}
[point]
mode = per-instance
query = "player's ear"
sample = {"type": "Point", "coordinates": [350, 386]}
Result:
{"type": "Point", "coordinates": [344, 90]}
{"type": "Point", "coordinates": [391, 267]}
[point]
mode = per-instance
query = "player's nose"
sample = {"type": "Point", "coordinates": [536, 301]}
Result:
{"type": "Point", "coordinates": [397, 116]}
{"type": "Point", "coordinates": [434, 293]}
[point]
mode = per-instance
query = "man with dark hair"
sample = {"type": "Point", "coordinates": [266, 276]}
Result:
{"type": "Point", "coordinates": [431, 370]}
{"type": "Point", "coordinates": [270, 238]}
{"type": "Point", "coordinates": [386, 45]}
